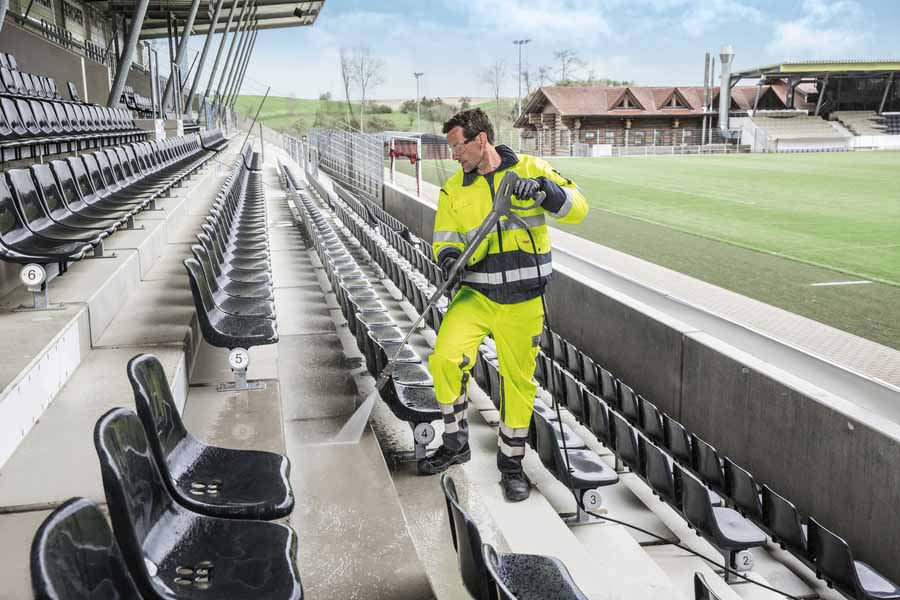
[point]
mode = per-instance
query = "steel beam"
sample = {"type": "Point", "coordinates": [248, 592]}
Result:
{"type": "Point", "coordinates": [822, 94]}
{"type": "Point", "coordinates": [4, 4]}
{"type": "Point", "coordinates": [242, 44]}
{"type": "Point", "coordinates": [240, 83]}
{"type": "Point", "coordinates": [228, 63]}
{"type": "Point", "coordinates": [212, 73]}
{"type": "Point", "coordinates": [239, 64]}
{"type": "Point", "coordinates": [182, 48]}
{"type": "Point", "coordinates": [887, 91]}
{"type": "Point", "coordinates": [127, 57]}
{"type": "Point", "coordinates": [206, 44]}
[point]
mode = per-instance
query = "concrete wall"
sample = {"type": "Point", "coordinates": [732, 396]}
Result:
{"type": "Point", "coordinates": [833, 460]}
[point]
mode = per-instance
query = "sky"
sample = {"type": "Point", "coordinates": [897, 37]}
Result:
{"type": "Point", "coordinates": [652, 42]}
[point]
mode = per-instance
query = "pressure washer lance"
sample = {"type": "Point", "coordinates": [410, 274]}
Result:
{"type": "Point", "coordinates": [502, 208]}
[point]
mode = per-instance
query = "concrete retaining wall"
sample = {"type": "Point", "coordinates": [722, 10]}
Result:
{"type": "Point", "coordinates": [833, 460]}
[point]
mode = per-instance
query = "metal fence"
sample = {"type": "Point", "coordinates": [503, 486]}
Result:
{"type": "Point", "coordinates": [622, 142]}
{"type": "Point", "coordinates": [354, 158]}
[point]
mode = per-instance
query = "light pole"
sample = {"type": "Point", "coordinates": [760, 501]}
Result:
{"type": "Point", "coordinates": [418, 74]}
{"type": "Point", "coordinates": [520, 43]}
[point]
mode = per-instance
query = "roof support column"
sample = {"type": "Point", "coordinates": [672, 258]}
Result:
{"type": "Point", "coordinates": [243, 72]}
{"type": "Point", "coordinates": [759, 85]}
{"type": "Point", "coordinates": [182, 48]}
{"type": "Point", "coordinates": [127, 57]}
{"type": "Point", "coordinates": [4, 4]}
{"type": "Point", "coordinates": [887, 91]}
{"type": "Point", "coordinates": [822, 94]}
{"type": "Point", "coordinates": [229, 65]}
{"type": "Point", "coordinates": [206, 44]}
{"type": "Point", "coordinates": [212, 73]}
{"type": "Point", "coordinates": [243, 40]}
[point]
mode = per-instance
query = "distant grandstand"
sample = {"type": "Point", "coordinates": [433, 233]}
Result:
{"type": "Point", "coordinates": [799, 106]}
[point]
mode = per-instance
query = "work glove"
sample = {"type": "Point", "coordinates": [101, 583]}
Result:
{"type": "Point", "coordinates": [526, 188]}
{"type": "Point", "coordinates": [446, 264]}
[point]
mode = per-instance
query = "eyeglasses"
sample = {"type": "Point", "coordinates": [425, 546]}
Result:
{"type": "Point", "coordinates": [458, 148]}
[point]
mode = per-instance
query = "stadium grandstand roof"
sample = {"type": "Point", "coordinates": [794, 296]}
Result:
{"type": "Point", "coordinates": [647, 101]}
{"type": "Point", "coordinates": [815, 68]}
{"type": "Point", "coordinates": [271, 14]}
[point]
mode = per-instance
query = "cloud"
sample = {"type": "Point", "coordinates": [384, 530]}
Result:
{"type": "Point", "coordinates": [825, 30]}
{"type": "Point", "coordinates": [708, 15]}
{"type": "Point", "coordinates": [546, 20]}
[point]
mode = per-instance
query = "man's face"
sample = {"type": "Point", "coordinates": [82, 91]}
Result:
{"type": "Point", "coordinates": [466, 152]}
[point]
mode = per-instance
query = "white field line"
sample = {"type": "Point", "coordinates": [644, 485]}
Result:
{"type": "Point", "coordinates": [832, 283]}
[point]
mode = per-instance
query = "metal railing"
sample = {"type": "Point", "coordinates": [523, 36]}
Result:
{"type": "Point", "coordinates": [620, 141]}
{"type": "Point", "coordinates": [354, 158]}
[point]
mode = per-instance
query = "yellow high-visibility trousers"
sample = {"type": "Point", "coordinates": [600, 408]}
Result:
{"type": "Point", "coordinates": [516, 329]}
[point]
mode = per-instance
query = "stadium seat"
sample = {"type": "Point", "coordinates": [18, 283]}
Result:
{"type": "Point", "coordinates": [707, 464]}
{"type": "Point", "coordinates": [579, 469]}
{"type": "Point", "coordinates": [722, 527]}
{"type": "Point", "coordinates": [677, 441]}
{"type": "Point", "coordinates": [530, 576]}
{"type": "Point", "coordinates": [853, 578]}
{"type": "Point", "coordinates": [625, 443]}
{"type": "Point", "coordinates": [598, 418]}
{"type": "Point", "coordinates": [173, 552]}
{"type": "Point", "coordinates": [743, 491]}
{"type": "Point", "coordinates": [75, 557]}
{"type": "Point", "coordinates": [628, 404]}
{"type": "Point", "coordinates": [651, 420]}
{"type": "Point", "coordinates": [702, 590]}
{"type": "Point", "coordinates": [218, 482]}
{"type": "Point", "coordinates": [782, 521]}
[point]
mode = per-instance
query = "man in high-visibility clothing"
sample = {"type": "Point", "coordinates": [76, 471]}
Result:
{"type": "Point", "coordinates": [500, 292]}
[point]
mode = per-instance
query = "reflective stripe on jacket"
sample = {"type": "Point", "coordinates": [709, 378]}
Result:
{"type": "Point", "coordinates": [506, 264]}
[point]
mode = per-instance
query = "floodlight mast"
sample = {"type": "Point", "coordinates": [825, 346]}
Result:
{"type": "Point", "coordinates": [418, 74]}
{"type": "Point", "coordinates": [520, 43]}
{"type": "Point", "coordinates": [726, 54]}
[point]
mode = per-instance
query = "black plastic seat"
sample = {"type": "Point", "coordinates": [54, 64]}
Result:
{"type": "Point", "coordinates": [530, 576]}
{"type": "Point", "coordinates": [628, 404]}
{"type": "Point", "coordinates": [783, 522]}
{"type": "Point", "coordinates": [222, 329]}
{"type": "Point", "coordinates": [609, 391]}
{"type": "Point", "coordinates": [172, 552]}
{"type": "Point", "coordinates": [410, 394]}
{"type": "Point", "coordinates": [54, 204]}
{"type": "Point", "coordinates": [702, 591]}
{"type": "Point", "coordinates": [723, 527]}
{"type": "Point", "coordinates": [743, 491]}
{"type": "Point", "coordinates": [651, 420]}
{"type": "Point", "coordinates": [707, 464]}
{"type": "Point", "coordinates": [625, 443]}
{"type": "Point", "coordinates": [677, 441]}
{"type": "Point", "coordinates": [218, 482]}
{"type": "Point", "coordinates": [589, 375]}
{"type": "Point", "coordinates": [853, 578]}
{"type": "Point", "coordinates": [18, 244]}
{"type": "Point", "coordinates": [585, 469]}
{"type": "Point", "coordinates": [388, 350]}
{"type": "Point", "coordinates": [222, 268]}
{"type": "Point", "coordinates": [598, 418]}
{"type": "Point", "coordinates": [657, 468]}
{"type": "Point", "coordinates": [232, 288]}
{"type": "Point", "coordinates": [574, 394]}
{"type": "Point", "coordinates": [75, 557]}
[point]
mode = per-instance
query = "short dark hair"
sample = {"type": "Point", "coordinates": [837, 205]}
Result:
{"type": "Point", "coordinates": [473, 121]}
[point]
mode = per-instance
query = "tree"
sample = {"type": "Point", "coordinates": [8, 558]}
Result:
{"type": "Point", "coordinates": [368, 73]}
{"type": "Point", "coordinates": [494, 76]}
{"type": "Point", "coordinates": [347, 73]}
{"type": "Point", "coordinates": [465, 103]}
{"type": "Point", "coordinates": [569, 63]}
{"type": "Point", "coordinates": [543, 75]}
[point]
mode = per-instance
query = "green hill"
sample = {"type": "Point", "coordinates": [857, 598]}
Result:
{"type": "Point", "coordinates": [296, 115]}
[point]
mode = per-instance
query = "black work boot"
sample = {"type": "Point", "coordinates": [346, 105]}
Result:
{"type": "Point", "coordinates": [515, 486]}
{"type": "Point", "coordinates": [442, 458]}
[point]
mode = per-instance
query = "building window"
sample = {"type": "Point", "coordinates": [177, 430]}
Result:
{"type": "Point", "coordinates": [73, 13]}
{"type": "Point", "coordinates": [610, 137]}
{"type": "Point", "coordinates": [45, 3]}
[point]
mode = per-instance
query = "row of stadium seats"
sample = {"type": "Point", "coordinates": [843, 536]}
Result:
{"type": "Point", "coordinates": [673, 462]}
{"type": "Point", "coordinates": [680, 467]}
{"type": "Point", "coordinates": [14, 82]}
{"type": "Point", "coordinates": [796, 127]}
{"type": "Point", "coordinates": [865, 122]}
{"type": "Point", "coordinates": [35, 128]}
{"type": "Point", "coordinates": [231, 271]}
{"type": "Point", "coordinates": [57, 212]}
{"type": "Point", "coordinates": [136, 102]}
{"type": "Point", "coordinates": [186, 516]}
{"type": "Point", "coordinates": [410, 392]}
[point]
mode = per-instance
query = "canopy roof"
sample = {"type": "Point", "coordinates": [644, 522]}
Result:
{"type": "Point", "coordinates": [820, 68]}
{"type": "Point", "coordinates": [270, 14]}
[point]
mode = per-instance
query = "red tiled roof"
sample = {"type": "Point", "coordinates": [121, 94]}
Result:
{"type": "Point", "coordinates": [587, 101]}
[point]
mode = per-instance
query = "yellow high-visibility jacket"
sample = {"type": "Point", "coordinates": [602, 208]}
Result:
{"type": "Point", "coordinates": [506, 267]}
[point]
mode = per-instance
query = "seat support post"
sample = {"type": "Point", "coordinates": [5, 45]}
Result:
{"type": "Point", "coordinates": [239, 360]}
